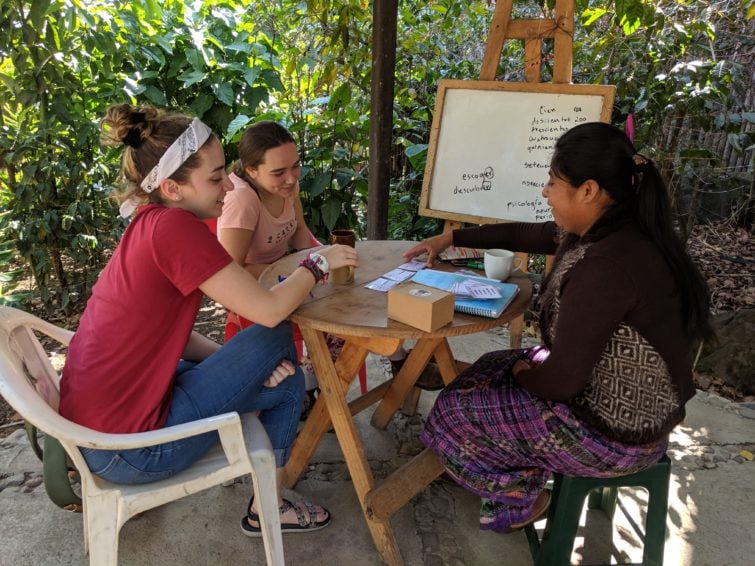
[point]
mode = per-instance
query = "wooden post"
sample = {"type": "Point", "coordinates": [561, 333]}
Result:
{"type": "Point", "coordinates": [384, 15]}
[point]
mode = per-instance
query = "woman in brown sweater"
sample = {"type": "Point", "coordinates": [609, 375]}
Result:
{"type": "Point", "coordinates": [620, 314]}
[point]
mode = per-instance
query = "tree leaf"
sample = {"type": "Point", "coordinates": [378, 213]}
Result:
{"type": "Point", "coordinates": [238, 123]}
{"type": "Point", "coordinates": [331, 211]}
{"type": "Point", "coordinates": [155, 96]}
{"type": "Point", "coordinates": [319, 184]}
{"type": "Point", "coordinates": [192, 77]}
{"type": "Point", "coordinates": [224, 92]}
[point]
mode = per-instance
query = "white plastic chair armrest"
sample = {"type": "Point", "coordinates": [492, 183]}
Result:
{"type": "Point", "coordinates": [61, 335]}
{"type": "Point", "coordinates": [87, 438]}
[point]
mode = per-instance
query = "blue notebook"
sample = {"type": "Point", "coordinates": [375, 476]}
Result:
{"type": "Point", "coordinates": [491, 308]}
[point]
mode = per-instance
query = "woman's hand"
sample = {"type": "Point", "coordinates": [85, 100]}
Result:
{"type": "Point", "coordinates": [520, 366]}
{"type": "Point", "coordinates": [432, 247]}
{"type": "Point", "coordinates": [280, 373]}
{"type": "Point", "coordinates": [339, 255]}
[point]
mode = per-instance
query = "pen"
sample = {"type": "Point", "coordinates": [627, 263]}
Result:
{"type": "Point", "coordinates": [468, 263]}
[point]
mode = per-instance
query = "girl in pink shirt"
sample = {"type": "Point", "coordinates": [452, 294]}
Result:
{"type": "Point", "coordinates": [263, 215]}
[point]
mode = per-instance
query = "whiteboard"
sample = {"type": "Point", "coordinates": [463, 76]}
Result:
{"type": "Point", "coordinates": [491, 143]}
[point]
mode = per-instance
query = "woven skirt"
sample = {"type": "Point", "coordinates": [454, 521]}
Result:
{"type": "Point", "coordinates": [502, 443]}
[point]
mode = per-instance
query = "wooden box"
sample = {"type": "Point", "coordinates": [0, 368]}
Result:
{"type": "Point", "coordinates": [420, 306]}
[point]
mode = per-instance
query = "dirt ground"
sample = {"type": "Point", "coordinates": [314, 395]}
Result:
{"type": "Point", "coordinates": [725, 255]}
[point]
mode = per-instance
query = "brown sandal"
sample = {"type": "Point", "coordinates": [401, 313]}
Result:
{"type": "Point", "coordinates": [539, 510]}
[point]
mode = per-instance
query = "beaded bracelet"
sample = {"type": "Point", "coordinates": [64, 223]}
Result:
{"type": "Point", "coordinates": [314, 269]}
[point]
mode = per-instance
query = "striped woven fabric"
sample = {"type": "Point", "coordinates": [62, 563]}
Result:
{"type": "Point", "coordinates": [501, 443]}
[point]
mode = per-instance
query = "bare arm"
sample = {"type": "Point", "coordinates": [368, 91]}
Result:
{"type": "Point", "coordinates": [256, 269]}
{"type": "Point", "coordinates": [238, 291]}
{"type": "Point", "coordinates": [199, 348]}
{"type": "Point", "coordinates": [237, 242]}
{"type": "Point", "coordinates": [302, 237]}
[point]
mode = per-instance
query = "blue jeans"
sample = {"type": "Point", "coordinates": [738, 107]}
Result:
{"type": "Point", "coordinates": [230, 380]}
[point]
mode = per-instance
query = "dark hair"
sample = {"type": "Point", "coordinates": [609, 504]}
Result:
{"type": "Point", "coordinates": [255, 141]}
{"type": "Point", "coordinates": [147, 133]}
{"type": "Point", "coordinates": [604, 154]}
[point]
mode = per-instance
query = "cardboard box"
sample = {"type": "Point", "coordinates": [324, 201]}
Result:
{"type": "Point", "coordinates": [420, 306]}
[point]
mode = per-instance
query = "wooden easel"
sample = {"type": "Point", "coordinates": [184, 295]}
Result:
{"type": "Point", "coordinates": [532, 32]}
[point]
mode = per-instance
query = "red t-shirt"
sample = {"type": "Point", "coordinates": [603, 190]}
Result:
{"type": "Point", "coordinates": [122, 360]}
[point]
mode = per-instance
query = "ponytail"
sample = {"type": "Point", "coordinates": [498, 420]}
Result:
{"type": "Point", "coordinates": [653, 214]}
{"type": "Point", "coordinates": [603, 153]}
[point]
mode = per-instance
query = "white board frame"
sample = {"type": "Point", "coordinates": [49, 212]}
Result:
{"type": "Point", "coordinates": [497, 142]}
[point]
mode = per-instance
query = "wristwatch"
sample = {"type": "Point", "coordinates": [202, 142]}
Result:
{"type": "Point", "coordinates": [320, 262]}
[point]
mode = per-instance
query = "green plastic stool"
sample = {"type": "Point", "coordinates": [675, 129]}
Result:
{"type": "Point", "coordinates": [568, 498]}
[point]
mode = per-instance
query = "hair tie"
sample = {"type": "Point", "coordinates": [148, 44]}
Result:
{"type": "Point", "coordinates": [639, 161]}
{"type": "Point", "coordinates": [133, 138]}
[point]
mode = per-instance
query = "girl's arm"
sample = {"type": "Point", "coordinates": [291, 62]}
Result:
{"type": "Point", "coordinates": [238, 291]}
{"type": "Point", "coordinates": [302, 238]}
{"type": "Point", "coordinates": [198, 348]}
{"type": "Point", "coordinates": [236, 242]}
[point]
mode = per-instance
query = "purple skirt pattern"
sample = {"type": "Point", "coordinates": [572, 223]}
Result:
{"type": "Point", "coordinates": [500, 442]}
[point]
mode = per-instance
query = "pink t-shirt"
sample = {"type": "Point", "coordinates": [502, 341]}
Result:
{"type": "Point", "coordinates": [242, 208]}
{"type": "Point", "coordinates": [121, 362]}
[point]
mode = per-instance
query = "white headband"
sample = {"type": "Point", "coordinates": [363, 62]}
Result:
{"type": "Point", "coordinates": [190, 140]}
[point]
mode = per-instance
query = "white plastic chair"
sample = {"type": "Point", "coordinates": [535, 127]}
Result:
{"type": "Point", "coordinates": [30, 385]}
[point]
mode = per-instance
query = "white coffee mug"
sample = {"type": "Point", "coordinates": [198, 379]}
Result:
{"type": "Point", "coordinates": [500, 263]}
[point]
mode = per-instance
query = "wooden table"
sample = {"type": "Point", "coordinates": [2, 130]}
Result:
{"type": "Point", "coordinates": [358, 315]}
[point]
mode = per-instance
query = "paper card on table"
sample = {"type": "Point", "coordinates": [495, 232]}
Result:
{"type": "Point", "coordinates": [381, 284]}
{"type": "Point", "coordinates": [414, 265]}
{"type": "Point", "coordinates": [474, 289]}
{"type": "Point", "coordinates": [452, 252]}
{"type": "Point", "coordinates": [398, 274]}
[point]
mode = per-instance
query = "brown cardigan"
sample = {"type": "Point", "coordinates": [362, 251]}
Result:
{"type": "Point", "coordinates": [608, 307]}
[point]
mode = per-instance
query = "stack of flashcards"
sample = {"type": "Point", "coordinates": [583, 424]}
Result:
{"type": "Point", "coordinates": [396, 276]}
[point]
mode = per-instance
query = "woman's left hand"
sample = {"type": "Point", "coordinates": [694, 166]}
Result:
{"type": "Point", "coordinates": [280, 373]}
{"type": "Point", "coordinates": [520, 366]}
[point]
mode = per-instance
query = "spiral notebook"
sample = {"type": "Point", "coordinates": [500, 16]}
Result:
{"type": "Point", "coordinates": [491, 308]}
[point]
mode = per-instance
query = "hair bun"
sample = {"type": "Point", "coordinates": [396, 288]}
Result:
{"type": "Point", "coordinates": [124, 124]}
{"type": "Point", "coordinates": [133, 138]}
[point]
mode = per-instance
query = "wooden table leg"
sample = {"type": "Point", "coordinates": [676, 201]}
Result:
{"type": "Point", "coordinates": [405, 380]}
{"type": "Point", "coordinates": [446, 363]}
{"type": "Point", "coordinates": [318, 422]}
{"type": "Point", "coordinates": [333, 392]}
{"type": "Point", "coordinates": [403, 484]}
{"type": "Point", "coordinates": [448, 369]}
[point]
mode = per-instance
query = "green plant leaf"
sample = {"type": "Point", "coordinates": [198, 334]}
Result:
{"type": "Point", "coordinates": [319, 184]}
{"type": "Point", "coordinates": [331, 211]}
{"type": "Point", "coordinates": [238, 123]}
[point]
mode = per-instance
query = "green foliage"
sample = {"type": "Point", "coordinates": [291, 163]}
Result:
{"type": "Point", "coordinates": [683, 68]}
{"type": "Point", "coordinates": [52, 172]}
{"type": "Point", "coordinates": [308, 65]}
